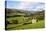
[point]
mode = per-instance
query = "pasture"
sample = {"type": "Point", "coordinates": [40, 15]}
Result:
{"type": "Point", "coordinates": [17, 20]}
{"type": "Point", "coordinates": [37, 25]}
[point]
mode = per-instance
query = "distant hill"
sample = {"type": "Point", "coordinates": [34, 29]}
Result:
{"type": "Point", "coordinates": [11, 12]}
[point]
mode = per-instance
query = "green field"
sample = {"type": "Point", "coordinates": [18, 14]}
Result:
{"type": "Point", "coordinates": [39, 24]}
{"type": "Point", "coordinates": [22, 19]}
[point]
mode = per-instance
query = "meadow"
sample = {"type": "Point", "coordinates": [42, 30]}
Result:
{"type": "Point", "coordinates": [19, 20]}
{"type": "Point", "coordinates": [37, 25]}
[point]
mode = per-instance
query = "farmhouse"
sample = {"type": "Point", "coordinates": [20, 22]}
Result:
{"type": "Point", "coordinates": [34, 20]}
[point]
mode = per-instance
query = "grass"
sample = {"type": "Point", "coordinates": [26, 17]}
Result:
{"type": "Point", "coordinates": [39, 24]}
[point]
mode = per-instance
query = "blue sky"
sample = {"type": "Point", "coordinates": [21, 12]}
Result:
{"type": "Point", "coordinates": [25, 5]}
{"type": "Point", "coordinates": [12, 0]}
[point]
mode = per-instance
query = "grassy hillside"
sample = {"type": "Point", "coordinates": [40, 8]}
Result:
{"type": "Point", "coordinates": [22, 19]}
{"type": "Point", "coordinates": [37, 25]}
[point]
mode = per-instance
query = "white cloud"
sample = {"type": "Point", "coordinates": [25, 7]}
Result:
{"type": "Point", "coordinates": [26, 5]}
{"type": "Point", "coordinates": [30, 5]}
{"type": "Point", "coordinates": [23, 5]}
{"type": "Point", "coordinates": [28, 0]}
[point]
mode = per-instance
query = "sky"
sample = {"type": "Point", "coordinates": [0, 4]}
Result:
{"type": "Point", "coordinates": [25, 5]}
{"type": "Point", "coordinates": [27, 0]}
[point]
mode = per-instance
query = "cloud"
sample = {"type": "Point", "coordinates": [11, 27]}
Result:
{"type": "Point", "coordinates": [25, 5]}
{"type": "Point", "coordinates": [27, 0]}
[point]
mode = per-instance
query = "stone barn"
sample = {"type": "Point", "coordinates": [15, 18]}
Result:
{"type": "Point", "coordinates": [34, 20]}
